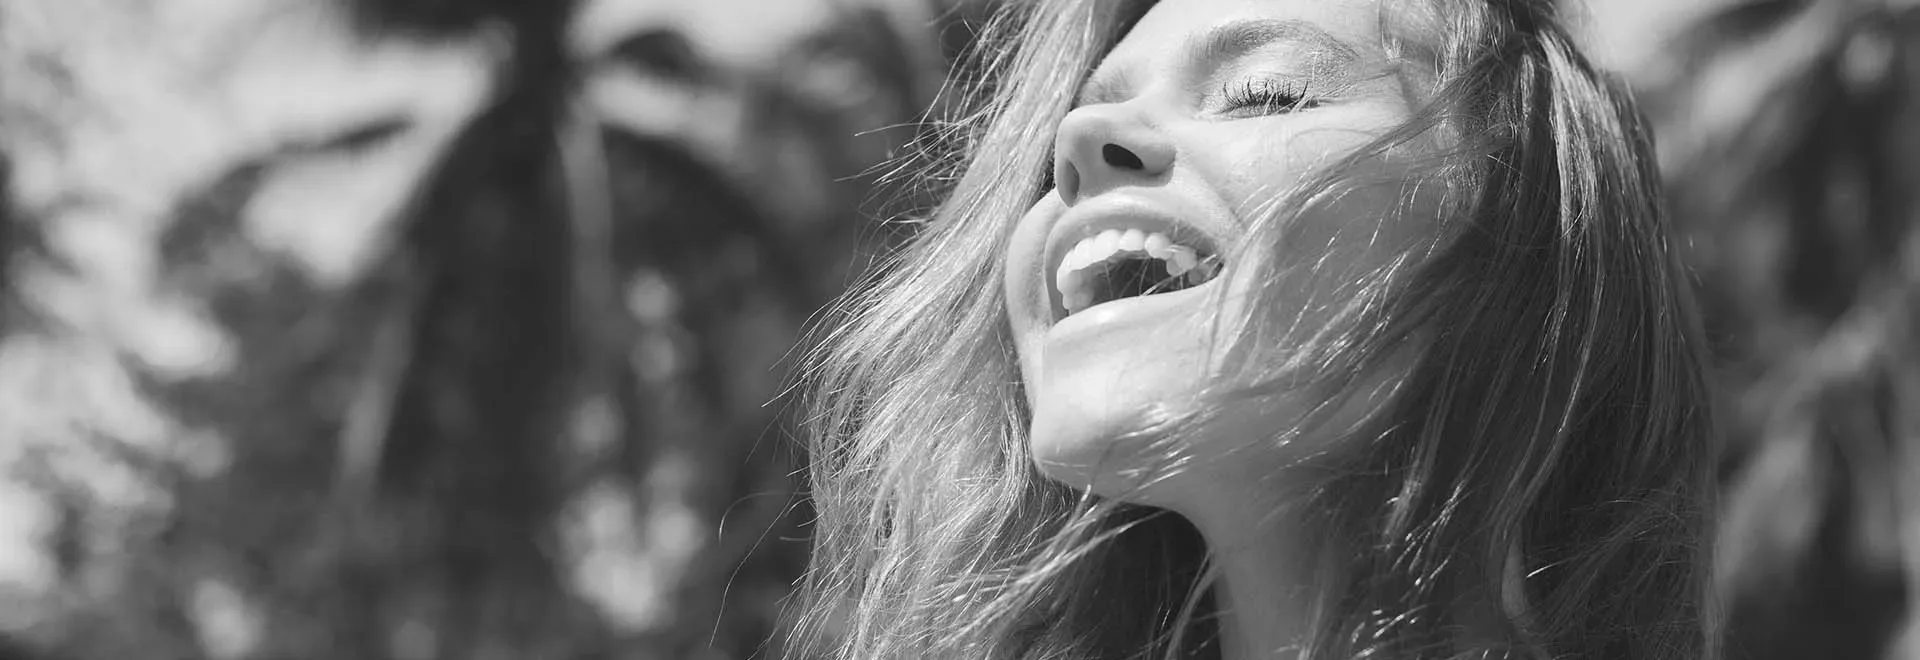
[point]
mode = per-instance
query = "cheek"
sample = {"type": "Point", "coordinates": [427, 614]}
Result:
{"type": "Point", "coordinates": [1378, 214]}
{"type": "Point", "coordinates": [1255, 163]}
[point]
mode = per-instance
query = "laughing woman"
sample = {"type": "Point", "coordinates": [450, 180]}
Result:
{"type": "Point", "coordinates": [1273, 329]}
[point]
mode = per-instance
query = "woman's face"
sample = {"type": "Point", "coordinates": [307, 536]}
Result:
{"type": "Point", "coordinates": [1188, 130]}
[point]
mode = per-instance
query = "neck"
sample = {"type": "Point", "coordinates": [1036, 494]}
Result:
{"type": "Point", "coordinates": [1265, 591]}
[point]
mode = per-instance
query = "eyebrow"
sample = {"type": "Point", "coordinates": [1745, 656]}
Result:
{"type": "Point", "coordinates": [1227, 41]}
{"type": "Point", "coordinates": [1236, 38]}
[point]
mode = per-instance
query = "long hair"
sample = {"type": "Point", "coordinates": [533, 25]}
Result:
{"type": "Point", "coordinates": [1543, 461]}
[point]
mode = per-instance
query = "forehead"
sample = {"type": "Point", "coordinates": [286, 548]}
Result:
{"type": "Point", "coordinates": [1172, 27]}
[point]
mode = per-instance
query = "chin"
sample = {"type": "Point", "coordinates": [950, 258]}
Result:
{"type": "Point", "coordinates": [1111, 380]}
{"type": "Point", "coordinates": [1137, 426]}
{"type": "Point", "coordinates": [1142, 430]}
{"type": "Point", "coordinates": [1104, 433]}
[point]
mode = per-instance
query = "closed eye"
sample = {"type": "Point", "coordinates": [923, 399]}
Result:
{"type": "Point", "coordinates": [1265, 97]}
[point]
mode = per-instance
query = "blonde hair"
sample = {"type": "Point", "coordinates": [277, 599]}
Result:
{"type": "Point", "coordinates": [1555, 414]}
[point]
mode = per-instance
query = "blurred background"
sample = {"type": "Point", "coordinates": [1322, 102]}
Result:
{"type": "Point", "coordinates": [424, 329]}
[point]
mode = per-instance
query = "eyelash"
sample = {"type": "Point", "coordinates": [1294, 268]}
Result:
{"type": "Point", "coordinates": [1269, 97]}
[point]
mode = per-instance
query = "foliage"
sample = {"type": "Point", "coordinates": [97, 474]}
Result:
{"type": "Point", "coordinates": [425, 335]}
{"type": "Point", "coordinates": [1790, 132]}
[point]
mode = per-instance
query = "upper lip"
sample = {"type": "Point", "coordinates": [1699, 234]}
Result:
{"type": "Point", "coordinates": [1182, 221]}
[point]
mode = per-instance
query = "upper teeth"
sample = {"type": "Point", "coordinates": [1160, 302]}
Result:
{"type": "Point", "coordinates": [1071, 278]}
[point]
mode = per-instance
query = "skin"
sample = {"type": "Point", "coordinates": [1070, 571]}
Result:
{"type": "Point", "coordinates": [1103, 381]}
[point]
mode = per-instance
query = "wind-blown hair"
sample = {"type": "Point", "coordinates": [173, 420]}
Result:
{"type": "Point", "coordinates": [1535, 486]}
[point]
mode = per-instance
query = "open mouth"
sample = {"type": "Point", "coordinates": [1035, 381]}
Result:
{"type": "Point", "coordinates": [1117, 264]}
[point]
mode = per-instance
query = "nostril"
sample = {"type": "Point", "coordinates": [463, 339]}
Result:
{"type": "Point", "coordinates": [1118, 156]}
{"type": "Point", "coordinates": [1066, 180]}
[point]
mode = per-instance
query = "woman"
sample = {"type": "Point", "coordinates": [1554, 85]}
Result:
{"type": "Point", "coordinates": [1344, 329]}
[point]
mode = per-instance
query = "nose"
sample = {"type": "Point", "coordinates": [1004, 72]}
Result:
{"type": "Point", "coordinates": [1100, 147]}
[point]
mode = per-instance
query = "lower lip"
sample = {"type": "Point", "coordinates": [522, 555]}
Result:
{"type": "Point", "coordinates": [1131, 311]}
